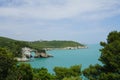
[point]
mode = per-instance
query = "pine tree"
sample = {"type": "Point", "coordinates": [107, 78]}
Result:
{"type": "Point", "coordinates": [110, 58]}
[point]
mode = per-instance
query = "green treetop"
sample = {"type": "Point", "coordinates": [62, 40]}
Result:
{"type": "Point", "coordinates": [7, 63]}
{"type": "Point", "coordinates": [110, 58]}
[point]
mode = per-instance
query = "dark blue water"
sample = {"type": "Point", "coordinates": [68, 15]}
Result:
{"type": "Point", "coordinates": [67, 58]}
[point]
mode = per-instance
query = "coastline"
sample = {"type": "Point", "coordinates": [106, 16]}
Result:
{"type": "Point", "coordinates": [67, 48]}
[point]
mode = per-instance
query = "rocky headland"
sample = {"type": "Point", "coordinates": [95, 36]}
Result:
{"type": "Point", "coordinates": [27, 54]}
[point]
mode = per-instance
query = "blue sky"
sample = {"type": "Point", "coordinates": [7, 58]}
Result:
{"type": "Point", "coordinates": [85, 21]}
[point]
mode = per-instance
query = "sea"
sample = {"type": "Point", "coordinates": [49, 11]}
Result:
{"type": "Point", "coordinates": [67, 58]}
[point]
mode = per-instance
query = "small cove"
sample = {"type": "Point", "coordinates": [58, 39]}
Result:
{"type": "Point", "coordinates": [67, 58]}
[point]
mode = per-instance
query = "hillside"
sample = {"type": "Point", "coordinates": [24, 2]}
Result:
{"type": "Point", "coordinates": [15, 45]}
{"type": "Point", "coordinates": [54, 44]}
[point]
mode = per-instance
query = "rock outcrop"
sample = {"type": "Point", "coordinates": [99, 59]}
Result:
{"type": "Point", "coordinates": [43, 55]}
{"type": "Point", "coordinates": [26, 54]}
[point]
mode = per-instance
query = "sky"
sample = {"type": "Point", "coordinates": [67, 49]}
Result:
{"type": "Point", "coordinates": [84, 21]}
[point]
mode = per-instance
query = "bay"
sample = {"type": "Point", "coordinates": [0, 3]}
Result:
{"type": "Point", "coordinates": [67, 58]}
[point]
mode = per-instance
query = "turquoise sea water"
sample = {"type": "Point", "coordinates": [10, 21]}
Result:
{"type": "Point", "coordinates": [67, 58]}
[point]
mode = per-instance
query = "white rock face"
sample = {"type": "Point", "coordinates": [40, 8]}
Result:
{"type": "Point", "coordinates": [26, 51]}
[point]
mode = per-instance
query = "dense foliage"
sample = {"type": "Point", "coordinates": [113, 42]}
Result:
{"type": "Point", "coordinates": [67, 73]}
{"type": "Point", "coordinates": [42, 74]}
{"type": "Point", "coordinates": [15, 46]}
{"type": "Point", "coordinates": [7, 63]}
{"type": "Point", "coordinates": [54, 44]}
{"type": "Point", "coordinates": [109, 70]}
{"type": "Point", "coordinates": [11, 70]}
{"type": "Point", "coordinates": [110, 58]}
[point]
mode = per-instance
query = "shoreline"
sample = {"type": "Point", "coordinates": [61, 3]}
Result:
{"type": "Point", "coordinates": [66, 48]}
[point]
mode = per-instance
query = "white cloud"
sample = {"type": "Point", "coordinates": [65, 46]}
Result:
{"type": "Point", "coordinates": [45, 9]}
{"type": "Point", "coordinates": [57, 19]}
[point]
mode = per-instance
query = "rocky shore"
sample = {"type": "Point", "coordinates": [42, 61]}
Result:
{"type": "Point", "coordinates": [67, 48]}
{"type": "Point", "coordinates": [27, 54]}
{"type": "Point", "coordinates": [22, 59]}
{"type": "Point", "coordinates": [43, 55]}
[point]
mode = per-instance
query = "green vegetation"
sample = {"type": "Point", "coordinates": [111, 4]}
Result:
{"type": "Point", "coordinates": [110, 58]}
{"type": "Point", "coordinates": [54, 44]}
{"type": "Point", "coordinates": [42, 74]}
{"type": "Point", "coordinates": [67, 73]}
{"type": "Point", "coordinates": [109, 70]}
{"type": "Point", "coordinates": [10, 70]}
{"type": "Point", "coordinates": [15, 46]}
{"type": "Point", "coordinates": [7, 63]}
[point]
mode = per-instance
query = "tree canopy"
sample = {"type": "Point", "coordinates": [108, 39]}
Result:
{"type": "Point", "coordinates": [110, 58]}
{"type": "Point", "coordinates": [68, 73]}
{"type": "Point", "coordinates": [11, 70]}
{"type": "Point", "coordinates": [7, 63]}
{"type": "Point", "coordinates": [15, 46]}
{"type": "Point", "coordinates": [109, 70]}
{"type": "Point", "coordinates": [54, 44]}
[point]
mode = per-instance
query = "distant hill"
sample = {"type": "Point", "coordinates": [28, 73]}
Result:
{"type": "Point", "coordinates": [54, 44]}
{"type": "Point", "coordinates": [15, 45]}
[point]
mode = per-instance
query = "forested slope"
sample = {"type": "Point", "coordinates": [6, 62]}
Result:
{"type": "Point", "coordinates": [15, 45]}
{"type": "Point", "coordinates": [54, 44]}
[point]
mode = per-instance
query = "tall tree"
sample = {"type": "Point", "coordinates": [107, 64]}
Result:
{"type": "Point", "coordinates": [7, 63]}
{"type": "Point", "coordinates": [25, 72]}
{"type": "Point", "coordinates": [67, 73]}
{"type": "Point", "coordinates": [42, 74]}
{"type": "Point", "coordinates": [110, 58]}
